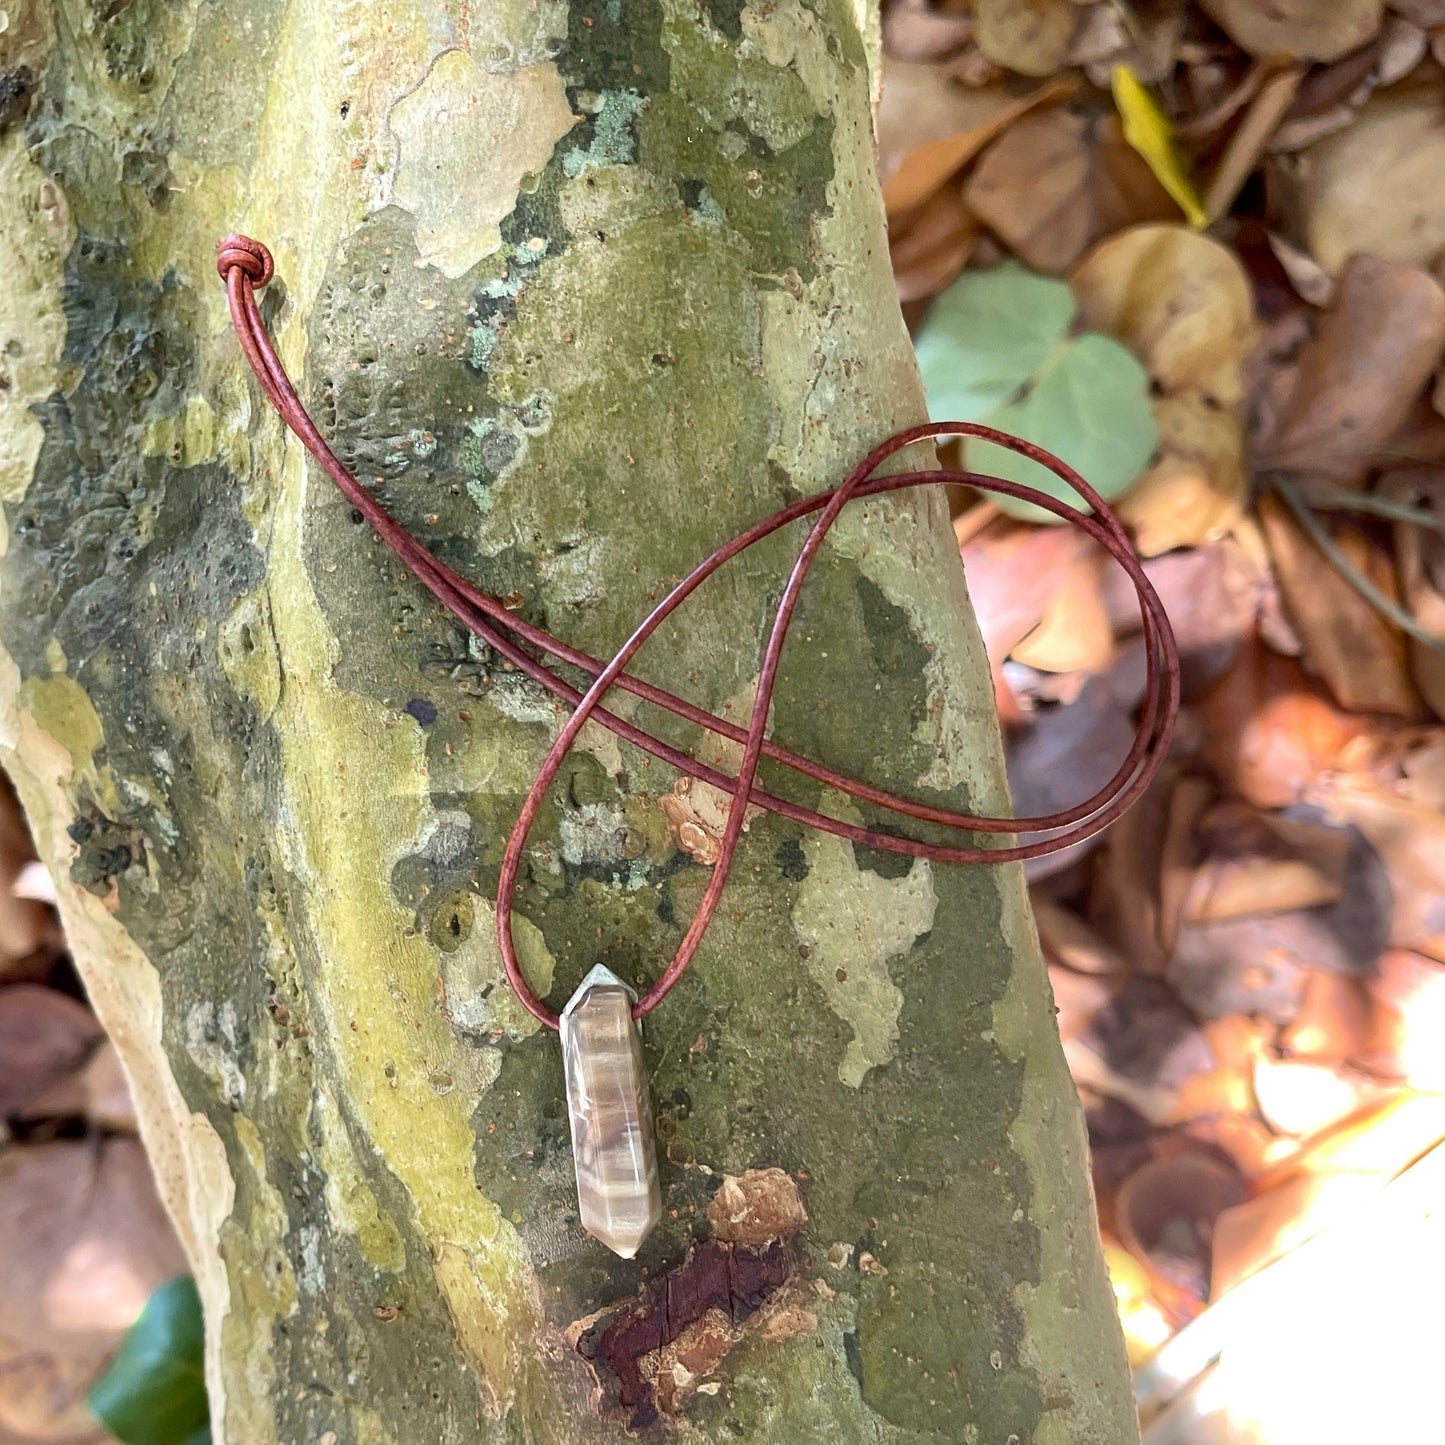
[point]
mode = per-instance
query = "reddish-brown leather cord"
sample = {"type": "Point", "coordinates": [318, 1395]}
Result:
{"type": "Point", "coordinates": [245, 265]}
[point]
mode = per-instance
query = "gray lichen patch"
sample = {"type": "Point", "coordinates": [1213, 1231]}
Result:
{"type": "Point", "coordinates": [479, 1001]}
{"type": "Point", "coordinates": [211, 1041]}
{"type": "Point", "coordinates": [852, 922]}
{"type": "Point", "coordinates": [613, 143]}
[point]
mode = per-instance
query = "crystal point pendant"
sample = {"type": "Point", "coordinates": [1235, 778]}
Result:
{"type": "Point", "coordinates": [618, 1193]}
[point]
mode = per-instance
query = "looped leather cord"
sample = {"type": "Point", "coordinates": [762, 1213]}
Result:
{"type": "Point", "coordinates": [245, 264]}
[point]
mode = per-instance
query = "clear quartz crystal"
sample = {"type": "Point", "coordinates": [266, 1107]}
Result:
{"type": "Point", "coordinates": [617, 1187]}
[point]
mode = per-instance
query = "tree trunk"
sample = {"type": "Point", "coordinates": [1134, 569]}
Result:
{"type": "Point", "coordinates": [581, 291]}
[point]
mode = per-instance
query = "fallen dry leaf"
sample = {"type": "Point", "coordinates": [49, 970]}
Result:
{"type": "Point", "coordinates": [83, 1243]}
{"type": "Point", "coordinates": [1057, 180]}
{"type": "Point", "coordinates": [913, 30]}
{"type": "Point", "coordinates": [1031, 37]}
{"type": "Point", "coordinates": [1184, 304]}
{"type": "Point", "coordinates": [1147, 41]}
{"type": "Point", "coordinates": [1300, 1096]}
{"type": "Point", "coordinates": [929, 126]}
{"type": "Point", "coordinates": [1331, 95]}
{"type": "Point", "coordinates": [1265, 1228]}
{"type": "Point", "coordinates": [1078, 997]}
{"type": "Point", "coordinates": [97, 1092]}
{"type": "Point", "coordinates": [1236, 1042]}
{"type": "Point", "coordinates": [1411, 841]}
{"type": "Point", "coordinates": [1181, 301]}
{"type": "Point", "coordinates": [1067, 938]}
{"type": "Point", "coordinates": [1247, 965]}
{"type": "Point", "coordinates": [1264, 863]}
{"type": "Point", "coordinates": [1012, 571]}
{"type": "Point", "coordinates": [1165, 1216]}
{"type": "Point", "coordinates": [1217, 1106]}
{"type": "Point", "coordinates": [1188, 803]}
{"type": "Point", "coordinates": [1258, 963]}
{"type": "Point", "coordinates": [929, 246]}
{"type": "Point", "coordinates": [1372, 187]}
{"type": "Point", "coordinates": [1421, 768]}
{"type": "Point", "coordinates": [1141, 1046]}
{"type": "Point", "coordinates": [1212, 594]}
{"type": "Point", "coordinates": [1144, 1323]}
{"type": "Point", "coordinates": [1270, 371]}
{"type": "Point", "coordinates": [1063, 756]}
{"type": "Point", "coordinates": [1074, 634]}
{"type": "Point", "coordinates": [1420, 566]}
{"type": "Point", "coordinates": [27, 926]}
{"type": "Point", "coordinates": [1358, 653]}
{"type": "Point", "coordinates": [1372, 354]}
{"type": "Point", "coordinates": [1195, 492]}
{"type": "Point", "coordinates": [1247, 141]}
{"type": "Point", "coordinates": [919, 105]}
{"type": "Point", "coordinates": [1324, 1181]}
{"type": "Point", "coordinates": [1310, 280]}
{"type": "Point", "coordinates": [1408, 1043]}
{"type": "Point", "coordinates": [1334, 1020]}
{"type": "Point", "coordinates": [1269, 733]}
{"type": "Point", "coordinates": [45, 1036]}
{"type": "Point", "coordinates": [1302, 29]}
{"type": "Point", "coordinates": [1425, 13]}
{"type": "Point", "coordinates": [1121, 1140]}
{"type": "Point", "coordinates": [1123, 901]}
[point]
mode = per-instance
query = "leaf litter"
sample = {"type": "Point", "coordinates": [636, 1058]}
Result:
{"type": "Point", "coordinates": [84, 1239]}
{"type": "Point", "coordinates": [1248, 202]}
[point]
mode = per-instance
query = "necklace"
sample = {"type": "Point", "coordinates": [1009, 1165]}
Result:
{"type": "Point", "coordinates": [619, 1194]}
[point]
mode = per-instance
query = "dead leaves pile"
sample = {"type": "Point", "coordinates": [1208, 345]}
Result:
{"type": "Point", "coordinates": [83, 1237]}
{"type": "Point", "coordinates": [1250, 968]}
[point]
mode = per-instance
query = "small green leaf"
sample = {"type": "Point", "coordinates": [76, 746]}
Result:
{"type": "Point", "coordinates": [155, 1390]}
{"type": "Point", "coordinates": [995, 349]}
{"type": "Point", "coordinates": [986, 335]}
{"type": "Point", "coordinates": [1090, 407]}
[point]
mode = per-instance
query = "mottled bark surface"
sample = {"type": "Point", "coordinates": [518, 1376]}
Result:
{"type": "Point", "coordinates": [581, 290]}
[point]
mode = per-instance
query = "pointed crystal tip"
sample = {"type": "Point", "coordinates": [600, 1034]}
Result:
{"type": "Point", "coordinates": [619, 1196]}
{"type": "Point", "coordinates": [623, 1236]}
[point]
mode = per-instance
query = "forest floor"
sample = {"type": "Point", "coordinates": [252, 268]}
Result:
{"type": "Point", "coordinates": [1240, 213]}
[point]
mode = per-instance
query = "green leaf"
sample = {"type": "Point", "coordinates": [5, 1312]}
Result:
{"type": "Point", "coordinates": [155, 1390]}
{"type": "Point", "coordinates": [1090, 407]}
{"type": "Point", "coordinates": [986, 335]}
{"type": "Point", "coordinates": [994, 348]}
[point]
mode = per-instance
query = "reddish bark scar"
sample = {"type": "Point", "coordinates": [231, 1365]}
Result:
{"type": "Point", "coordinates": [658, 1347]}
{"type": "Point", "coordinates": [730, 1278]}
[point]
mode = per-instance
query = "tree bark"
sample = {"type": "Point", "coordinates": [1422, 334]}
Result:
{"type": "Point", "coordinates": [581, 290]}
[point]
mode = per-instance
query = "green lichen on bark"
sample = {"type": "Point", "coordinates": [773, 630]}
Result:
{"type": "Point", "coordinates": [290, 776]}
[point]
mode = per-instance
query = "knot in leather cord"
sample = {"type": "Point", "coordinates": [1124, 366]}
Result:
{"type": "Point", "coordinates": [250, 257]}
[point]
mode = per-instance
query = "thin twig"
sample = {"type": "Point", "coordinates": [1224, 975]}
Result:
{"type": "Point", "coordinates": [1251, 136]}
{"type": "Point", "coordinates": [1317, 534]}
{"type": "Point", "coordinates": [1378, 506]}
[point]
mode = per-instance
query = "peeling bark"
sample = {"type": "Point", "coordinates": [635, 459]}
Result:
{"type": "Point", "coordinates": [581, 290]}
